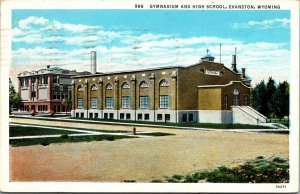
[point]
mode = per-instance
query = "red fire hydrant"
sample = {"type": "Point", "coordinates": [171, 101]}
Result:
{"type": "Point", "coordinates": [134, 131]}
{"type": "Point", "coordinates": [33, 112]}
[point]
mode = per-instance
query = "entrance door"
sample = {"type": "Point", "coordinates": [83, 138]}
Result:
{"type": "Point", "coordinates": [184, 118]}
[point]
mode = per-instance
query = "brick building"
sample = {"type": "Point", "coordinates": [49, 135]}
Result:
{"type": "Point", "coordinates": [45, 89]}
{"type": "Point", "coordinates": [203, 92]}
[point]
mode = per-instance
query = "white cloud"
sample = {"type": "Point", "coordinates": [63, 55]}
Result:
{"type": "Point", "coordinates": [264, 24]}
{"type": "Point", "coordinates": [31, 21]}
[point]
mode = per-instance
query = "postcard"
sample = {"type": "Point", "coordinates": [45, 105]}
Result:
{"type": "Point", "coordinates": [149, 96]}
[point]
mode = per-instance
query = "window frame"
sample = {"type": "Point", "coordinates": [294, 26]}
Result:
{"type": "Point", "coordinates": [164, 102]}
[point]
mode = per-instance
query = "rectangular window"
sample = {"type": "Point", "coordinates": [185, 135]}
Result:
{"type": "Point", "coordinates": [144, 101]}
{"type": "Point", "coordinates": [91, 115]}
{"type": "Point", "coordinates": [184, 118]}
{"type": "Point", "coordinates": [164, 102]}
{"type": "Point", "coordinates": [82, 115]}
{"type": "Point", "coordinates": [111, 115]}
{"type": "Point", "coordinates": [147, 117]}
{"type": "Point", "coordinates": [128, 116]}
{"type": "Point", "coordinates": [40, 81]}
{"type": "Point", "coordinates": [125, 101]}
{"type": "Point", "coordinates": [109, 102]}
{"type": "Point", "coordinates": [191, 117]}
{"type": "Point", "coordinates": [94, 103]}
{"type": "Point", "coordinates": [140, 116]}
{"type": "Point", "coordinates": [159, 117]}
{"type": "Point", "coordinates": [96, 116]}
{"type": "Point", "coordinates": [55, 79]}
{"type": "Point", "coordinates": [80, 103]}
{"type": "Point", "coordinates": [45, 80]}
{"type": "Point", "coordinates": [77, 115]}
{"type": "Point", "coordinates": [167, 117]}
{"type": "Point", "coordinates": [121, 115]}
{"type": "Point", "coordinates": [105, 116]}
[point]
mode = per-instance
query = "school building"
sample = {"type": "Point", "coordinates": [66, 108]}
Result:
{"type": "Point", "coordinates": [205, 92]}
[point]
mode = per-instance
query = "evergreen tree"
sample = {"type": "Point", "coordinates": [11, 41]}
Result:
{"type": "Point", "coordinates": [15, 100]}
{"type": "Point", "coordinates": [259, 98]}
{"type": "Point", "coordinates": [280, 100]}
{"type": "Point", "coordinates": [270, 91]}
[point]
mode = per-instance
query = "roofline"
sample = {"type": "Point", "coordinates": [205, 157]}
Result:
{"type": "Point", "coordinates": [129, 71]}
{"type": "Point", "coordinates": [219, 86]}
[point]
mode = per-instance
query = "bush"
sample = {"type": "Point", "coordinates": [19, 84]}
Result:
{"type": "Point", "coordinates": [110, 138]}
{"type": "Point", "coordinates": [45, 143]}
{"type": "Point", "coordinates": [64, 136]}
{"type": "Point", "coordinates": [259, 170]}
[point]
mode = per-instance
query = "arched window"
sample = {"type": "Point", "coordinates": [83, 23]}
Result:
{"type": "Point", "coordinates": [109, 87]}
{"type": "Point", "coordinates": [226, 101]}
{"type": "Point", "coordinates": [94, 87]}
{"type": "Point", "coordinates": [125, 86]}
{"type": "Point", "coordinates": [236, 97]}
{"type": "Point", "coordinates": [144, 84]}
{"type": "Point", "coordinates": [164, 83]}
{"type": "Point", "coordinates": [80, 88]}
{"type": "Point", "coordinates": [246, 100]}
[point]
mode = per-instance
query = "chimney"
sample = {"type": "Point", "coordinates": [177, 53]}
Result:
{"type": "Point", "coordinates": [93, 62]}
{"type": "Point", "coordinates": [243, 72]}
{"type": "Point", "coordinates": [233, 64]}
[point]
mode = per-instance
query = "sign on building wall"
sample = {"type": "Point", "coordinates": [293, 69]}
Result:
{"type": "Point", "coordinates": [212, 72]}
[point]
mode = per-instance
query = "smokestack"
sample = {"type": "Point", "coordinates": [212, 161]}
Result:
{"type": "Point", "coordinates": [233, 64]}
{"type": "Point", "coordinates": [243, 72]}
{"type": "Point", "coordinates": [93, 62]}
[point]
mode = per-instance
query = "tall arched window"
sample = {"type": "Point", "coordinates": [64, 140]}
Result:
{"type": "Point", "coordinates": [226, 101]}
{"type": "Point", "coordinates": [144, 84]}
{"type": "Point", "coordinates": [236, 97]}
{"type": "Point", "coordinates": [164, 83]}
{"type": "Point", "coordinates": [125, 85]}
{"type": "Point", "coordinates": [94, 87]}
{"type": "Point", "coordinates": [246, 100]}
{"type": "Point", "coordinates": [109, 86]}
{"type": "Point", "coordinates": [80, 88]}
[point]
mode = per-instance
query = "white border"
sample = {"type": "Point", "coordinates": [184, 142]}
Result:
{"type": "Point", "coordinates": [5, 185]}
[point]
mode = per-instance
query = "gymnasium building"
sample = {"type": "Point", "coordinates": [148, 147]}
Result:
{"type": "Point", "coordinates": [205, 92]}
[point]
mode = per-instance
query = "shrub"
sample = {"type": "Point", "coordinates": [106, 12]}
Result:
{"type": "Point", "coordinates": [64, 136]}
{"type": "Point", "coordinates": [110, 138]}
{"type": "Point", "coordinates": [45, 143]}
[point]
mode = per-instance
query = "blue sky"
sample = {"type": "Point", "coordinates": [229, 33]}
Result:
{"type": "Point", "coordinates": [135, 39]}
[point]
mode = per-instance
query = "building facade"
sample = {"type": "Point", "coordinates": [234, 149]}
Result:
{"type": "Point", "coordinates": [45, 90]}
{"type": "Point", "coordinates": [203, 92]}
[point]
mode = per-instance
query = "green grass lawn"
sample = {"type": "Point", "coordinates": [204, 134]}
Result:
{"type": "Point", "coordinates": [155, 134]}
{"type": "Point", "coordinates": [16, 131]}
{"type": "Point", "coordinates": [63, 127]}
{"type": "Point", "coordinates": [64, 139]}
{"type": "Point", "coordinates": [259, 170]}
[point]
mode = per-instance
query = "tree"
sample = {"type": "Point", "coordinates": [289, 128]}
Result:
{"type": "Point", "coordinates": [15, 100]}
{"type": "Point", "coordinates": [67, 103]}
{"type": "Point", "coordinates": [280, 100]}
{"type": "Point", "coordinates": [270, 91]}
{"type": "Point", "coordinates": [259, 98]}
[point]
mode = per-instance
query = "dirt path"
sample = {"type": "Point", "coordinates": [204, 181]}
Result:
{"type": "Point", "coordinates": [141, 159]}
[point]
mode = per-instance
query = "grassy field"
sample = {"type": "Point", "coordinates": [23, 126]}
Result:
{"type": "Point", "coordinates": [64, 139]}
{"type": "Point", "coordinates": [259, 170]}
{"type": "Point", "coordinates": [16, 131]}
{"type": "Point", "coordinates": [63, 127]}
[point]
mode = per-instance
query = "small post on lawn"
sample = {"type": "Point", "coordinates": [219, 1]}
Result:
{"type": "Point", "coordinates": [134, 131]}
